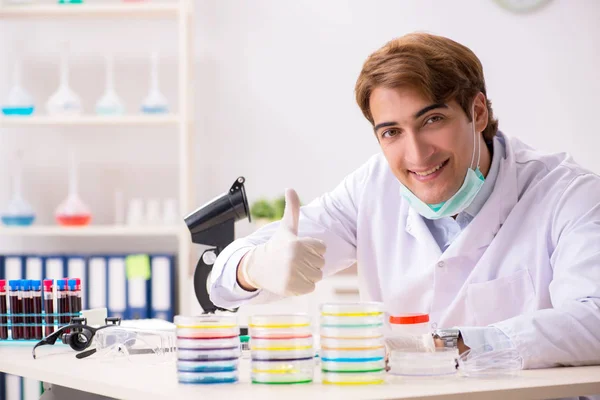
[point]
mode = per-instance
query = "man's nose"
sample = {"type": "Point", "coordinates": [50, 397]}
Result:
{"type": "Point", "coordinates": [418, 151]}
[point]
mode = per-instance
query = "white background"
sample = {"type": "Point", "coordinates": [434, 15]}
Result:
{"type": "Point", "coordinates": [274, 99]}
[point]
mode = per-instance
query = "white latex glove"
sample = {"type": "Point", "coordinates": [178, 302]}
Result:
{"type": "Point", "coordinates": [286, 265]}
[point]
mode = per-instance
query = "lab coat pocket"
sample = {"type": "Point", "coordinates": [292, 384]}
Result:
{"type": "Point", "coordinates": [501, 298]}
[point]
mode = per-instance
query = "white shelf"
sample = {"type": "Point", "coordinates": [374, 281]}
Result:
{"type": "Point", "coordinates": [128, 120]}
{"type": "Point", "coordinates": [98, 230]}
{"type": "Point", "coordinates": [142, 10]}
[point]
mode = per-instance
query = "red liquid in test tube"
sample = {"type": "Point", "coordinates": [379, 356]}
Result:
{"type": "Point", "coordinates": [15, 308]}
{"type": "Point", "coordinates": [49, 306]}
{"type": "Point", "coordinates": [3, 311]}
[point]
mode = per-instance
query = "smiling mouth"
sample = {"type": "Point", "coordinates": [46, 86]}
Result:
{"type": "Point", "coordinates": [431, 171]}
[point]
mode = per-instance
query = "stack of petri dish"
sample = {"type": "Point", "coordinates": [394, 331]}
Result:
{"type": "Point", "coordinates": [208, 349]}
{"type": "Point", "coordinates": [352, 343]}
{"type": "Point", "coordinates": [281, 348]}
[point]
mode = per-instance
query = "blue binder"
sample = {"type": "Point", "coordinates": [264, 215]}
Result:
{"type": "Point", "coordinates": [2, 272]}
{"type": "Point", "coordinates": [162, 287]}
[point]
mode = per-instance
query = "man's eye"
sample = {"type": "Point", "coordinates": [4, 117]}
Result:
{"type": "Point", "coordinates": [433, 119]}
{"type": "Point", "coordinates": [389, 133]}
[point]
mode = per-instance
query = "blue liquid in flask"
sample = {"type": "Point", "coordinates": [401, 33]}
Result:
{"type": "Point", "coordinates": [18, 110]}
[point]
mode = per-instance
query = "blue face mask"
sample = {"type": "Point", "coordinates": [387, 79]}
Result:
{"type": "Point", "coordinates": [461, 200]}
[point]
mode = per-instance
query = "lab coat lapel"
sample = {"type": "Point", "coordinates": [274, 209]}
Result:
{"type": "Point", "coordinates": [416, 227]}
{"type": "Point", "coordinates": [486, 224]}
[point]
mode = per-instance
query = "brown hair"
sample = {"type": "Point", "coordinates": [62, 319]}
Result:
{"type": "Point", "coordinates": [440, 68]}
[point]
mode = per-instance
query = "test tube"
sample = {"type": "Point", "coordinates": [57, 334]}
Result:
{"type": "Point", "coordinates": [3, 311]}
{"type": "Point", "coordinates": [73, 298]}
{"type": "Point", "coordinates": [27, 309]}
{"type": "Point", "coordinates": [79, 295]}
{"type": "Point", "coordinates": [36, 292]}
{"type": "Point", "coordinates": [63, 302]}
{"type": "Point", "coordinates": [49, 306]}
{"type": "Point", "coordinates": [16, 308]}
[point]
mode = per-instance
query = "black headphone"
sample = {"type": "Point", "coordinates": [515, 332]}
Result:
{"type": "Point", "coordinates": [78, 335]}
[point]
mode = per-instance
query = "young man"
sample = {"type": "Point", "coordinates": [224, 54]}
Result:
{"type": "Point", "coordinates": [493, 239]}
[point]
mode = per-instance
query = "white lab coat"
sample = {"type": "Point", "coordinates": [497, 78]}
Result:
{"type": "Point", "coordinates": [528, 263]}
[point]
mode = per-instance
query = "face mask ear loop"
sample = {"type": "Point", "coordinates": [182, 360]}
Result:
{"type": "Point", "coordinates": [473, 156]}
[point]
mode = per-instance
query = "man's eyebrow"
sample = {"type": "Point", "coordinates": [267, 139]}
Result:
{"type": "Point", "coordinates": [429, 108]}
{"type": "Point", "coordinates": [384, 124]}
{"type": "Point", "coordinates": [417, 115]}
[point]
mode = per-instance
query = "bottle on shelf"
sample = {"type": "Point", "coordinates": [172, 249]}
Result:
{"type": "Point", "coordinates": [64, 102]}
{"type": "Point", "coordinates": [19, 212]}
{"type": "Point", "coordinates": [110, 103]}
{"type": "Point", "coordinates": [155, 102]}
{"type": "Point", "coordinates": [19, 102]}
{"type": "Point", "coordinates": [73, 211]}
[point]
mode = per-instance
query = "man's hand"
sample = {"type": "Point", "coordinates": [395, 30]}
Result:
{"type": "Point", "coordinates": [286, 265]}
{"type": "Point", "coordinates": [461, 345]}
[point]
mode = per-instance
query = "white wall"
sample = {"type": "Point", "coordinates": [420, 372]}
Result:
{"type": "Point", "coordinates": [274, 97]}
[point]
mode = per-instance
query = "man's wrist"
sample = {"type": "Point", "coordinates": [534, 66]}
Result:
{"type": "Point", "coordinates": [449, 338]}
{"type": "Point", "coordinates": [242, 280]}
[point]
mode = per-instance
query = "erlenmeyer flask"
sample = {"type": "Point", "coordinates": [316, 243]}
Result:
{"type": "Point", "coordinates": [19, 101]}
{"type": "Point", "coordinates": [155, 102]}
{"type": "Point", "coordinates": [73, 211]}
{"type": "Point", "coordinates": [64, 101]}
{"type": "Point", "coordinates": [110, 103]}
{"type": "Point", "coordinates": [19, 212]}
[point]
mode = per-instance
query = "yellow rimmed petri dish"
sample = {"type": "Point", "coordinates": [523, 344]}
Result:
{"type": "Point", "coordinates": [283, 371]}
{"type": "Point", "coordinates": [350, 344]}
{"type": "Point", "coordinates": [209, 344]}
{"type": "Point", "coordinates": [280, 326]}
{"type": "Point", "coordinates": [283, 344]}
{"type": "Point", "coordinates": [360, 309]}
{"type": "Point", "coordinates": [207, 326]}
{"type": "Point", "coordinates": [353, 378]}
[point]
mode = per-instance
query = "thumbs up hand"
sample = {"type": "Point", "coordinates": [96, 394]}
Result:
{"type": "Point", "coordinates": [286, 265]}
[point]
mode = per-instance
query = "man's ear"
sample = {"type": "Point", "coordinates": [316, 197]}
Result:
{"type": "Point", "coordinates": [481, 112]}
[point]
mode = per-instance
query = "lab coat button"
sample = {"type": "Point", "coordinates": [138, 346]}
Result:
{"type": "Point", "coordinates": [440, 264]}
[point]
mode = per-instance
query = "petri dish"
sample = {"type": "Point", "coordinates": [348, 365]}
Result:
{"type": "Point", "coordinates": [281, 344]}
{"type": "Point", "coordinates": [208, 344]}
{"type": "Point", "coordinates": [361, 309]}
{"type": "Point", "coordinates": [207, 326]}
{"type": "Point", "coordinates": [349, 332]}
{"type": "Point", "coordinates": [206, 355]}
{"type": "Point", "coordinates": [279, 326]}
{"type": "Point", "coordinates": [442, 361]}
{"type": "Point", "coordinates": [282, 372]}
{"type": "Point", "coordinates": [352, 355]}
{"type": "Point", "coordinates": [351, 344]}
{"type": "Point", "coordinates": [282, 354]}
{"type": "Point", "coordinates": [208, 378]}
{"type": "Point", "coordinates": [367, 321]}
{"type": "Point", "coordinates": [360, 366]}
{"type": "Point", "coordinates": [350, 378]}
{"type": "Point", "coordinates": [207, 366]}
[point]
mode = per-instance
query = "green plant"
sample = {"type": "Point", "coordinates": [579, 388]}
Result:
{"type": "Point", "coordinates": [265, 209]}
{"type": "Point", "coordinates": [279, 206]}
{"type": "Point", "coordinates": [262, 209]}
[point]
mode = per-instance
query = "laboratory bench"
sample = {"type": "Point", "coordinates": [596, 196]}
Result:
{"type": "Point", "coordinates": [57, 365]}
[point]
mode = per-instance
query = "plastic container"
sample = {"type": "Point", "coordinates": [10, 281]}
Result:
{"type": "Point", "coordinates": [349, 332]}
{"type": "Point", "coordinates": [207, 326]}
{"type": "Point", "coordinates": [209, 344]}
{"type": "Point", "coordinates": [280, 326]}
{"type": "Point", "coordinates": [280, 372]}
{"type": "Point", "coordinates": [352, 344]}
{"type": "Point", "coordinates": [352, 355]}
{"type": "Point", "coordinates": [208, 378]}
{"type": "Point", "coordinates": [281, 344]}
{"type": "Point", "coordinates": [207, 366]}
{"type": "Point", "coordinates": [442, 361]}
{"type": "Point", "coordinates": [365, 309]}
{"type": "Point", "coordinates": [370, 378]}
{"type": "Point", "coordinates": [409, 324]}
{"type": "Point", "coordinates": [208, 355]}
{"type": "Point", "coordinates": [353, 366]}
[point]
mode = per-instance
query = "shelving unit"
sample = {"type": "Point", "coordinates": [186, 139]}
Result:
{"type": "Point", "coordinates": [181, 12]}
{"type": "Point", "coordinates": [88, 120]}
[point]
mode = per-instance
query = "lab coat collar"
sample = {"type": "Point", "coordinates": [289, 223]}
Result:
{"type": "Point", "coordinates": [488, 221]}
